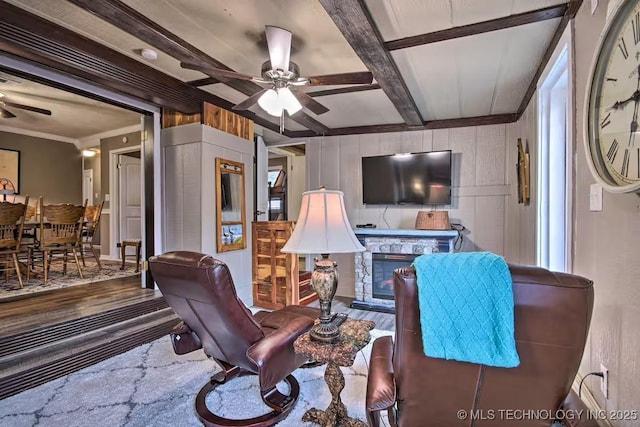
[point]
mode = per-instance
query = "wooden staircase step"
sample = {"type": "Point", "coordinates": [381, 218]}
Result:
{"type": "Point", "coordinates": [36, 365]}
{"type": "Point", "coordinates": [51, 333]}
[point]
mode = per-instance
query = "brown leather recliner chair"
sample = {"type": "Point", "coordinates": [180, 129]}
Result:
{"type": "Point", "coordinates": [552, 315]}
{"type": "Point", "coordinates": [200, 290]}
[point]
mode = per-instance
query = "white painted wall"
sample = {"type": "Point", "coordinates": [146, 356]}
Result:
{"type": "Point", "coordinates": [482, 177]}
{"type": "Point", "coordinates": [606, 251]}
{"type": "Point", "coordinates": [189, 182]}
{"type": "Point", "coordinates": [296, 185]}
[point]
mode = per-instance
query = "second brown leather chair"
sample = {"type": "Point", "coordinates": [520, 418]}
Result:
{"type": "Point", "coordinates": [200, 290]}
{"type": "Point", "coordinates": [552, 312]}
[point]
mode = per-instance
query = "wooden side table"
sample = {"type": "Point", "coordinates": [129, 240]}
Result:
{"type": "Point", "coordinates": [354, 334]}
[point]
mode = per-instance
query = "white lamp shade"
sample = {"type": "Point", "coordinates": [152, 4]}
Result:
{"type": "Point", "coordinates": [289, 101]}
{"type": "Point", "coordinates": [322, 227]}
{"type": "Point", "coordinates": [270, 103]}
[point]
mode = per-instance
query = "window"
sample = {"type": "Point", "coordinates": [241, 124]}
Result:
{"type": "Point", "coordinates": [272, 176]}
{"type": "Point", "coordinates": [553, 229]}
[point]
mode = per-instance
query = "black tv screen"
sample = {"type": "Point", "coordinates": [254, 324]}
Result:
{"type": "Point", "coordinates": [413, 179]}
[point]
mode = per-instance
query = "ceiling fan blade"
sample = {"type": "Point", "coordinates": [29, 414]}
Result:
{"type": "Point", "coordinates": [216, 72]}
{"type": "Point", "coordinates": [279, 45]}
{"type": "Point", "coordinates": [6, 114]}
{"type": "Point", "coordinates": [247, 103]}
{"type": "Point", "coordinates": [308, 102]}
{"type": "Point", "coordinates": [362, 77]}
{"type": "Point", "coordinates": [28, 108]}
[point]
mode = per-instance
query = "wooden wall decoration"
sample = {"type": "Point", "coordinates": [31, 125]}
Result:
{"type": "Point", "coordinates": [522, 168]}
{"type": "Point", "coordinates": [214, 116]}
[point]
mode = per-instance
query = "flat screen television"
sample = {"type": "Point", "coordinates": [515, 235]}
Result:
{"type": "Point", "coordinates": [412, 179]}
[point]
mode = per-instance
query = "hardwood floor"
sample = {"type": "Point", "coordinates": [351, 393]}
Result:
{"type": "Point", "coordinates": [27, 312]}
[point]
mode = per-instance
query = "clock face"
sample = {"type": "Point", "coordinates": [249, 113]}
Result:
{"type": "Point", "coordinates": [614, 103]}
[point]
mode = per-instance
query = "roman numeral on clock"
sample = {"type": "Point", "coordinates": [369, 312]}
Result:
{"type": "Point", "coordinates": [625, 163]}
{"type": "Point", "coordinates": [605, 121]}
{"type": "Point", "coordinates": [613, 151]}
{"type": "Point", "coordinates": [635, 24]}
{"type": "Point", "coordinates": [623, 48]}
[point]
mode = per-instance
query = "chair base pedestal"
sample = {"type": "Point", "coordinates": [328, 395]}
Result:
{"type": "Point", "coordinates": [336, 413]}
{"type": "Point", "coordinates": [280, 403]}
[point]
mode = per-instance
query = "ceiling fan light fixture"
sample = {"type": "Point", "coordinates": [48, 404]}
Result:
{"type": "Point", "coordinates": [270, 103]}
{"type": "Point", "coordinates": [288, 101]}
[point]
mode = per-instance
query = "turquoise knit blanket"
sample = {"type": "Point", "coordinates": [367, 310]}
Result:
{"type": "Point", "coordinates": [466, 308]}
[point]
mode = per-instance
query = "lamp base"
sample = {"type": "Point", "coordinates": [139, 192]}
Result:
{"type": "Point", "coordinates": [328, 332]}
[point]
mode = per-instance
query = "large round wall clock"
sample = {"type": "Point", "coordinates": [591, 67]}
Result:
{"type": "Point", "coordinates": [613, 103]}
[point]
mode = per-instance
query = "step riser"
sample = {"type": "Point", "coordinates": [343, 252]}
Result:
{"type": "Point", "coordinates": [52, 369]}
{"type": "Point", "coordinates": [43, 336]}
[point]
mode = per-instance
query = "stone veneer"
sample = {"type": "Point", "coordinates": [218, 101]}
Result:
{"type": "Point", "coordinates": [385, 245]}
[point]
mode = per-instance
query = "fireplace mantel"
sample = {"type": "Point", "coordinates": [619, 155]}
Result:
{"type": "Point", "coordinates": [399, 241]}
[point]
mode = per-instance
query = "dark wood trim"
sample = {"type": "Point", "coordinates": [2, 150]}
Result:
{"type": "Point", "coordinates": [340, 90]}
{"type": "Point", "coordinates": [479, 27]}
{"type": "Point", "coordinates": [148, 174]}
{"type": "Point", "coordinates": [203, 82]}
{"type": "Point", "coordinates": [131, 21]}
{"type": "Point", "coordinates": [30, 37]}
{"type": "Point", "coordinates": [403, 127]}
{"type": "Point", "coordinates": [570, 13]}
{"type": "Point", "coordinates": [356, 24]}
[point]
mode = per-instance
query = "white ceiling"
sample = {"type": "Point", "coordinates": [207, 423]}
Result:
{"type": "Point", "coordinates": [478, 75]}
{"type": "Point", "coordinates": [72, 116]}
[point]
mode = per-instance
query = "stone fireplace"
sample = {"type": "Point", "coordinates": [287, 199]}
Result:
{"type": "Point", "coordinates": [387, 250]}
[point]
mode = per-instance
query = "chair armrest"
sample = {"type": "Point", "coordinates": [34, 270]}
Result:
{"type": "Point", "coordinates": [381, 383]}
{"type": "Point", "coordinates": [579, 412]}
{"type": "Point", "coordinates": [274, 354]}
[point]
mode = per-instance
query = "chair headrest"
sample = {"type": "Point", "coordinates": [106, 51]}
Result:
{"type": "Point", "coordinates": [187, 259]}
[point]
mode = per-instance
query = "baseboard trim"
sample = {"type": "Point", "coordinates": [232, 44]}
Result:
{"type": "Point", "coordinates": [589, 400]}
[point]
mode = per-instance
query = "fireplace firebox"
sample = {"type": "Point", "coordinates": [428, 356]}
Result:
{"type": "Point", "coordinates": [382, 274]}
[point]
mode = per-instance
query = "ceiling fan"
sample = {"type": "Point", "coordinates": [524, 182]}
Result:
{"type": "Point", "coordinates": [282, 78]}
{"type": "Point", "coordinates": [6, 114]}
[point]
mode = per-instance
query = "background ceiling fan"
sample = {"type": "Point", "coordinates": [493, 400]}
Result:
{"type": "Point", "coordinates": [282, 79]}
{"type": "Point", "coordinates": [6, 114]}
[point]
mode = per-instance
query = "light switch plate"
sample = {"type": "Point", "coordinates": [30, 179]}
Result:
{"type": "Point", "coordinates": [595, 198]}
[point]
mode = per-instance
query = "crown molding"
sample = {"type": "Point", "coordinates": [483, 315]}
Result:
{"type": "Point", "coordinates": [37, 134]}
{"type": "Point", "coordinates": [91, 141]}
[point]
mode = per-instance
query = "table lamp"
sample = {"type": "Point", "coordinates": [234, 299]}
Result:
{"type": "Point", "coordinates": [323, 228]}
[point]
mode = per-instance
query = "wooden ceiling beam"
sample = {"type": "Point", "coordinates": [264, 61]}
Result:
{"type": "Point", "coordinates": [340, 90]}
{"type": "Point", "coordinates": [572, 9]}
{"type": "Point", "coordinates": [203, 82]}
{"type": "Point", "coordinates": [547, 13]}
{"type": "Point", "coordinates": [354, 20]}
{"type": "Point", "coordinates": [403, 127]}
{"type": "Point", "coordinates": [129, 20]}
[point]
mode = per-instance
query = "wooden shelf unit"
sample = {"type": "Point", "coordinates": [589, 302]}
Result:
{"type": "Point", "coordinates": [276, 278]}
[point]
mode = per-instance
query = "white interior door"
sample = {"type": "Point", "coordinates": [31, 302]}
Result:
{"type": "Point", "coordinates": [130, 198]}
{"type": "Point", "coordinates": [262, 186]}
{"type": "Point", "coordinates": [87, 186]}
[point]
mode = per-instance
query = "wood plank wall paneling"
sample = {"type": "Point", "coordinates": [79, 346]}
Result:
{"type": "Point", "coordinates": [172, 118]}
{"type": "Point", "coordinates": [227, 121]}
{"type": "Point", "coordinates": [482, 172]}
{"type": "Point", "coordinates": [214, 116]}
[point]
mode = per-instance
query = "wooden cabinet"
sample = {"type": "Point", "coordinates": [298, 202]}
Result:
{"type": "Point", "coordinates": [276, 279]}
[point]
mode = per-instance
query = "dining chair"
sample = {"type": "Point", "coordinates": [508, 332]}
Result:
{"type": "Point", "coordinates": [91, 224]}
{"type": "Point", "coordinates": [11, 222]}
{"type": "Point", "coordinates": [59, 233]}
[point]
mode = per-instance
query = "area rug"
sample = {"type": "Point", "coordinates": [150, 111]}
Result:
{"type": "Point", "coordinates": [151, 386]}
{"type": "Point", "coordinates": [110, 270]}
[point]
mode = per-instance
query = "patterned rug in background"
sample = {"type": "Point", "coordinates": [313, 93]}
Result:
{"type": "Point", "coordinates": [110, 270]}
{"type": "Point", "coordinates": [151, 386]}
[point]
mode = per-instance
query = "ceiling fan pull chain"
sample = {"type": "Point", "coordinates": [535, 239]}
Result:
{"type": "Point", "coordinates": [282, 121]}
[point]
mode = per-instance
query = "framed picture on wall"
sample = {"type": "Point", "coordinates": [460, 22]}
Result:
{"type": "Point", "coordinates": [10, 167]}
